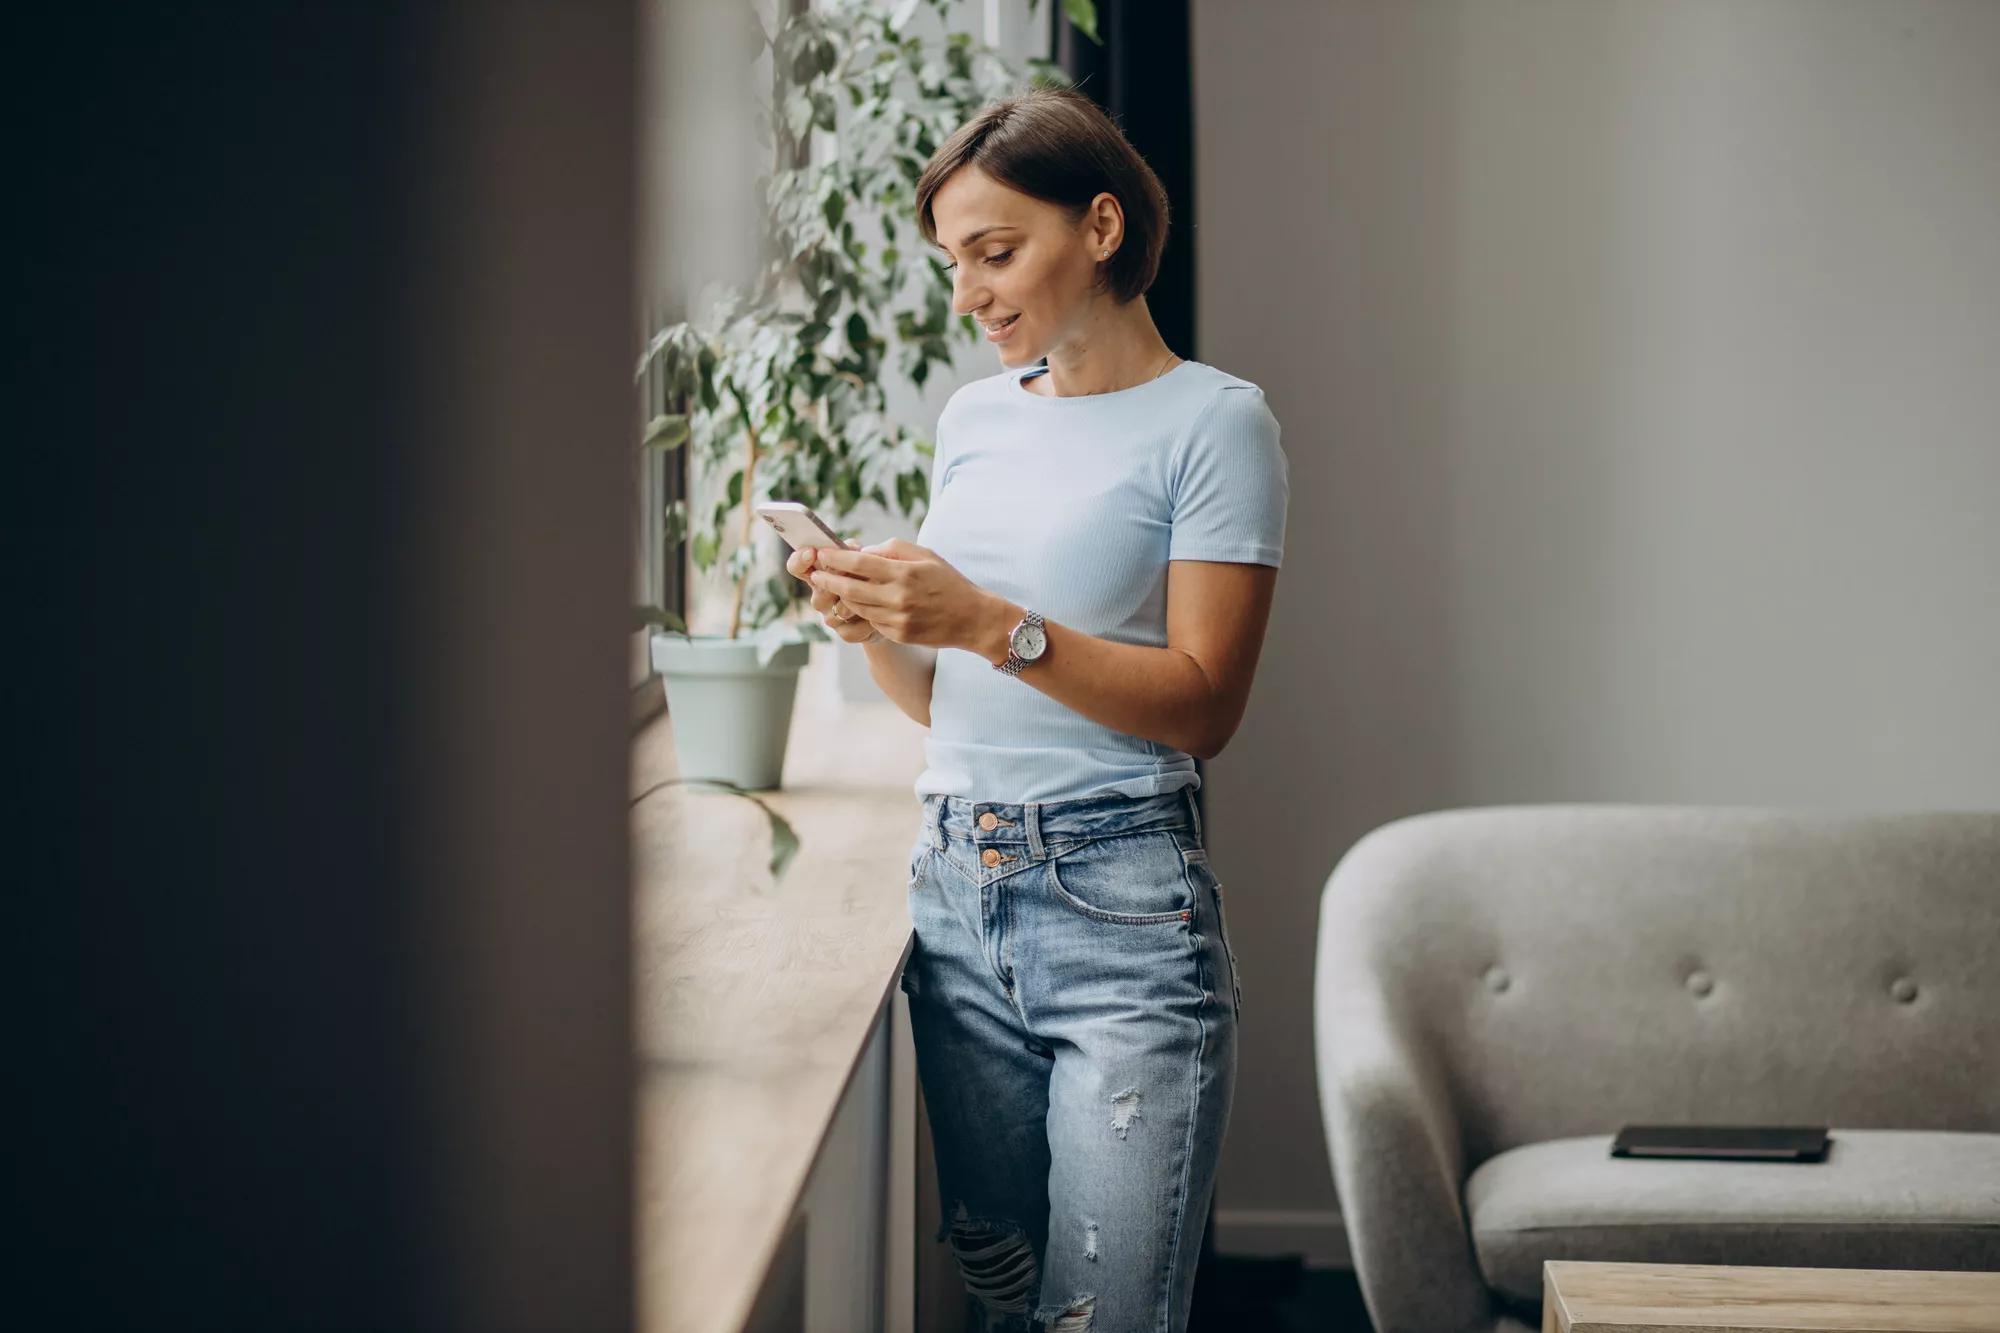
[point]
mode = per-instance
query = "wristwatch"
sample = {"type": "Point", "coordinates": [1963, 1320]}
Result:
{"type": "Point", "coordinates": [1025, 643]}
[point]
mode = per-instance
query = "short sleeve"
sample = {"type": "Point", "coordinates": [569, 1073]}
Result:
{"type": "Point", "coordinates": [1229, 483]}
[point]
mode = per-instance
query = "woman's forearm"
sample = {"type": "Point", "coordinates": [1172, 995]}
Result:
{"type": "Point", "coordinates": [1164, 695]}
{"type": "Point", "coordinates": [904, 672]}
{"type": "Point", "coordinates": [1159, 694]}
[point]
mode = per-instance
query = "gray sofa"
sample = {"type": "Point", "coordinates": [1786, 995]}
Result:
{"type": "Point", "coordinates": [1499, 989]}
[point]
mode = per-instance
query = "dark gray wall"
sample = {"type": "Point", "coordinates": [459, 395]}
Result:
{"type": "Point", "coordinates": [319, 868]}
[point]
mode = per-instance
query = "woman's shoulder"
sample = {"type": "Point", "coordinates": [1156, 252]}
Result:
{"type": "Point", "coordinates": [1228, 419]}
{"type": "Point", "coordinates": [1216, 378]}
{"type": "Point", "coordinates": [1228, 403]}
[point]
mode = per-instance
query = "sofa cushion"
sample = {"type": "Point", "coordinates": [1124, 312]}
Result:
{"type": "Point", "coordinates": [1881, 1199]}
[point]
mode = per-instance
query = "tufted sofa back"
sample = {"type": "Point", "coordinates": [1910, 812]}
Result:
{"type": "Point", "coordinates": [1562, 970]}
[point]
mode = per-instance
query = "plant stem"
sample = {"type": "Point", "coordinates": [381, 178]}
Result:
{"type": "Point", "coordinates": [749, 515]}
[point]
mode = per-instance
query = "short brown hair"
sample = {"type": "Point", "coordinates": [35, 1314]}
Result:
{"type": "Point", "coordinates": [1056, 145]}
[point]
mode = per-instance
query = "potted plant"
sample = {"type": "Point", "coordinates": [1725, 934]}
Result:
{"type": "Point", "coordinates": [779, 392]}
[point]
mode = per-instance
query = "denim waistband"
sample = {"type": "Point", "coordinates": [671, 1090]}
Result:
{"type": "Point", "coordinates": [1033, 823]}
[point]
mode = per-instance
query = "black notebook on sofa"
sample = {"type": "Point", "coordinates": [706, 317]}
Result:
{"type": "Point", "coordinates": [1752, 1143]}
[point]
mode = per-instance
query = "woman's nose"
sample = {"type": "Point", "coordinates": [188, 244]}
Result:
{"type": "Point", "coordinates": [964, 300]}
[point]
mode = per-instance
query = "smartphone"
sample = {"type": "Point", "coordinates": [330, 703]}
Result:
{"type": "Point", "coordinates": [1774, 1143]}
{"type": "Point", "coordinates": [799, 525]}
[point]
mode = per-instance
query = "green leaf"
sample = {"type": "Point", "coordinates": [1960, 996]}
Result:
{"type": "Point", "coordinates": [828, 303]}
{"type": "Point", "coordinates": [735, 490]}
{"type": "Point", "coordinates": [1083, 14]}
{"type": "Point", "coordinates": [824, 112]}
{"type": "Point", "coordinates": [798, 115]}
{"type": "Point", "coordinates": [666, 432]}
{"type": "Point", "coordinates": [661, 617]}
{"type": "Point", "coordinates": [805, 61]}
{"type": "Point", "coordinates": [705, 362]}
{"type": "Point", "coordinates": [784, 841]}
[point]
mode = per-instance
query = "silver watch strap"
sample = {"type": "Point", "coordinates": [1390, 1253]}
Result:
{"type": "Point", "coordinates": [1012, 666]}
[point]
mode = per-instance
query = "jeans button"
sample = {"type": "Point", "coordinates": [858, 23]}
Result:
{"type": "Point", "coordinates": [989, 821]}
{"type": "Point", "coordinates": [991, 856]}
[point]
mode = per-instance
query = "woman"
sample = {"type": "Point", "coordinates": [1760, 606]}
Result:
{"type": "Point", "coordinates": [1105, 532]}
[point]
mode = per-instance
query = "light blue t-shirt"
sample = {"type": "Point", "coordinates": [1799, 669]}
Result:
{"type": "Point", "coordinates": [1072, 507]}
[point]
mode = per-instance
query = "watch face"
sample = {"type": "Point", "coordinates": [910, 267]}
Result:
{"type": "Point", "coordinates": [1029, 641]}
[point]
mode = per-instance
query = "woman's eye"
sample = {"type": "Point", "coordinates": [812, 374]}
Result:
{"type": "Point", "coordinates": [994, 259]}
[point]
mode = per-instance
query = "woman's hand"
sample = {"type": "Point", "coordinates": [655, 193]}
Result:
{"type": "Point", "coordinates": [842, 620]}
{"type": "Point", "coordinates": [908, 592]}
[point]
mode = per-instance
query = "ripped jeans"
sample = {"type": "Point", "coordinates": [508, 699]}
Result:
{"type": "Point", "coordinates": [1074, 1003]}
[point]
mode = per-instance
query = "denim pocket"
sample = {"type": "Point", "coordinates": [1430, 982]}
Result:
{"type": "Point", "coordinates": [1201, 873]}
{"type": "Point", "coordinates": [1125, 879]}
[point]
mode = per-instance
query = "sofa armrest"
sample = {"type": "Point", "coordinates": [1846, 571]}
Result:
{"type": "Point", "coordinates": [1398, 1168]}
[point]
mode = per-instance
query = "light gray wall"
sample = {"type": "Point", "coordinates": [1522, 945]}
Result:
{"type": "Point", "coordinates": [1639, 369]}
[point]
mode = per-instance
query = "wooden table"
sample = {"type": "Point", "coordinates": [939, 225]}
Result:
{"type": "Point", "coordinates": [1582, 1297]}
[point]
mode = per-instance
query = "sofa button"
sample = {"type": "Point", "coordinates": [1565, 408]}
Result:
{"type": "Point", "coordinates": [1903, 989]}
{"type": "Point", "coordinates": [1497, 979]}
{"type": "Point", "coordinates": [1700, 983]}
{"type": "Point", "coordinates": [991, 856]}
{"type": "Point", "coordinates": [989, 821]}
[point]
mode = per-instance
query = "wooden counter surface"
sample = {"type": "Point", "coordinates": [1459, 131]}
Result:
{"type": "Point", "coordinates": [1584, 1297]}
{"type": "Point", "coordinates": [754, 1002]}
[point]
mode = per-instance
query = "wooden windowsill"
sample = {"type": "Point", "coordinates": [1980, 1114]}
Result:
{"type": "Point", "coordinates": [753, 1002]}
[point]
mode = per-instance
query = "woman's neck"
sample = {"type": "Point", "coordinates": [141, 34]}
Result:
{"type": "Point", "coordinates": [1127, 352]}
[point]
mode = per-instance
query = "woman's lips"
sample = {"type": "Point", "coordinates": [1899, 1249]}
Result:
{"type": "Point", "coordinates": [999, 335]}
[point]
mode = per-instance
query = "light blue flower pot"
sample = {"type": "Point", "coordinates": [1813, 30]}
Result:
{"type": "Point", "coordinates": [730, 716]}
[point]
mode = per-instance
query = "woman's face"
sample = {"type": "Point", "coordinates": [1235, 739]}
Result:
{"type": "Point", "coordinates": [1013, 256]}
